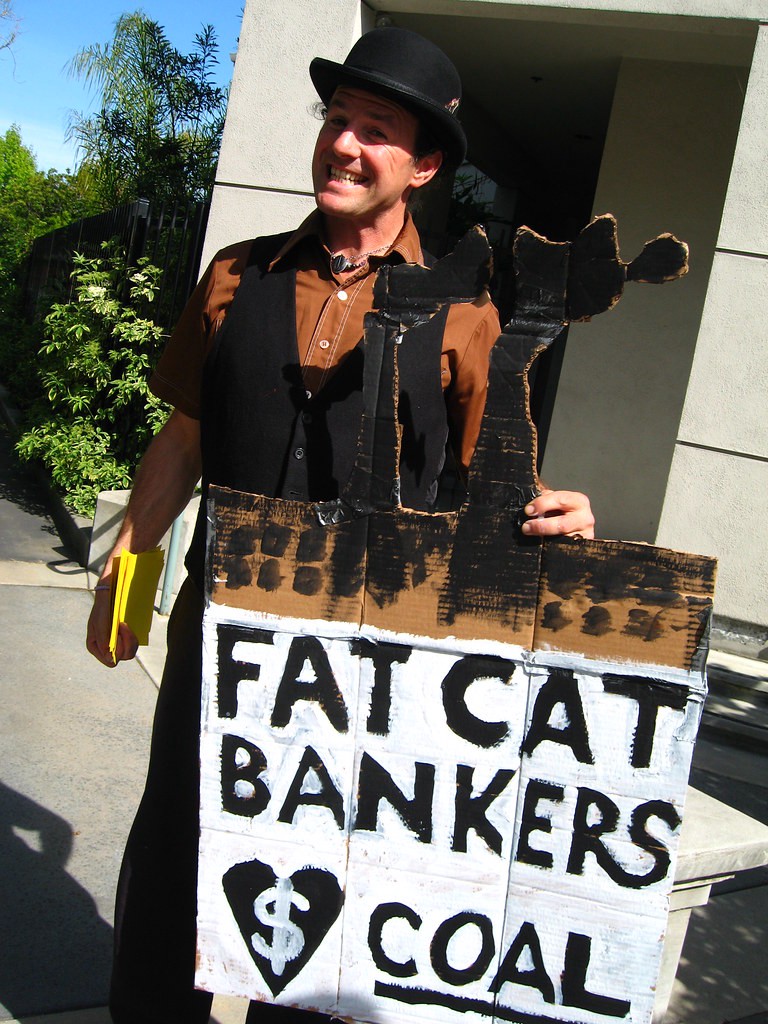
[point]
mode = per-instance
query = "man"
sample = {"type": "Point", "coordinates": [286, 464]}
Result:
{"type": "Point", "coordinates": [264, 373]}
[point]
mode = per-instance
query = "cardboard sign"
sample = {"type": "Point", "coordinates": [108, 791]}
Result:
{"type": "Point", "coordinates": [443, 764]}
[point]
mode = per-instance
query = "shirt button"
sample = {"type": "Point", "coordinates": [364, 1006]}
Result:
{"type": "Point", "coordinates": [341, 296]}
{"type": "Point", "coordinates": [325, 343]}
{"type": "Point", "coordinates": [299, 454]}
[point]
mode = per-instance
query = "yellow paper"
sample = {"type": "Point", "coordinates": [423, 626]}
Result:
{"type": "Point", "coordinates": [134, 585]}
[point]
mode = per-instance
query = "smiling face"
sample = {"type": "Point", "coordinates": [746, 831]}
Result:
{"type": "Point", "coordinates": [363, 167]}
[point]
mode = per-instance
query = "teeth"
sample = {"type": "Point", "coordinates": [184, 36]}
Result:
{"type": "Point", "coordinates": [336, 174]}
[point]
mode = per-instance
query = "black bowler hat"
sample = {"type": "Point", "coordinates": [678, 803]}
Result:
{"type": "Point", "coordinates": [407, 68]}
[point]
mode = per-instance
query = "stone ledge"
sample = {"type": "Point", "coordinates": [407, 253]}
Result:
{"type": "Point", "coordinates": [717, 840]}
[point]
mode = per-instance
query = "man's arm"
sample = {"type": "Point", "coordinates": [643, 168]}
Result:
{"type": "Point", "coordinates": [164, 483]}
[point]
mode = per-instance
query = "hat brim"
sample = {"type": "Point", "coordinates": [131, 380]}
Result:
{"type": "Point", "coordinates": [327, 76]}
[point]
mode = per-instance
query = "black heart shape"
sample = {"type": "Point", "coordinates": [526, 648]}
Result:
{"type": "Point", "coordinates": [303, 906]}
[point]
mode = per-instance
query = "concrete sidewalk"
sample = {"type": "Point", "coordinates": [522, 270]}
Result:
{"type": "Point", "coordinates": [74, 738]}
{"type": "Point", "coordinates": [73, 742]}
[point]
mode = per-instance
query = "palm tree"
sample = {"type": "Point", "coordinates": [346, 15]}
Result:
{"type": "Point", "coordinates": [157, 131]}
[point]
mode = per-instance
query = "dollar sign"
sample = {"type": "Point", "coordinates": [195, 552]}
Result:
{"type": "Point", "coordinates": [273, 908]}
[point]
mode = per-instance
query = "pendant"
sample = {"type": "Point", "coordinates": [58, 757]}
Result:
{"type": "Point", "coordinates": [340, 264]}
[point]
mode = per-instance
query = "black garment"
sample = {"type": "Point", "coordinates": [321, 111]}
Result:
{"type": "Point", "coordinates": [155, 915]}
{"type": "Point", "coordinates": [262, 433]}
{"type": "Point", "coordinates": [153, 972]}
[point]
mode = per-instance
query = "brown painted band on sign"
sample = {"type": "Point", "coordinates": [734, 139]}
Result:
{"type": "Point", "coordinates": [469, 575]}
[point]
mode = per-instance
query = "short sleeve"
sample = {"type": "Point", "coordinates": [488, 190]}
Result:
{"type": "Point", "coordinates": [179, 373]}
{"type": "Point", "coordinates": [471, 331]}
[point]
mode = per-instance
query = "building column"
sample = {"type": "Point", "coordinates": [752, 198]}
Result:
{"type": "Point", "coordinates": [624, 376]}
{"type": "Point", "coordinates": [263, 180]}
{"type": "Point", "coordinates": [716, 500]}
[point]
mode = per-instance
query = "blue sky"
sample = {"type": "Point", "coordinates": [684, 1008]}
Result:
{"type": "Point", "coordinates": [36, 92]}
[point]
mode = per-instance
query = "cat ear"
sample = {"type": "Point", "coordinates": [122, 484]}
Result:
{"type": "Point", "coordinates": [663, 259]}
{"type": "Point", "coordinates": [596, 274]}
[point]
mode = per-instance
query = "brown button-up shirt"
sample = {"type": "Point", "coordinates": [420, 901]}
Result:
{"type": "Point", "coordinates": [329, 324]}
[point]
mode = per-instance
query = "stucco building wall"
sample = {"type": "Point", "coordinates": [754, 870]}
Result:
{"type": "Point", "coordinates": [716, 499]}
{"type": "Point", "coordinates": [625, 374]}
{"type": "Point", "coordinates": [263, 181]}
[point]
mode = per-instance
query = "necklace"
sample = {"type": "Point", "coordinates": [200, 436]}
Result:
{"type": "Point", "coordinates": [341, 264]}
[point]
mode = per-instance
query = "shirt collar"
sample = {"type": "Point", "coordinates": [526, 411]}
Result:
{"type": "Point", "coordinates": [407, 244]}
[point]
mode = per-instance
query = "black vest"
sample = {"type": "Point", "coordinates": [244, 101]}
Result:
{"type": "Point", "coordinates": [262, 433]}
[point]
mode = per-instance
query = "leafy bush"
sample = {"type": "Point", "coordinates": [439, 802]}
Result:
{"type": "Point", "coordinates": [32, 203]}
{"type": "Point", "coordinates": [97, 416]}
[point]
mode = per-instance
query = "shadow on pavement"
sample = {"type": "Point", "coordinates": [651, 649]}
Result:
{"type": "Point", "coordinates": [49, 924]}
{"type": "Point", "coordinates": [722, 972]}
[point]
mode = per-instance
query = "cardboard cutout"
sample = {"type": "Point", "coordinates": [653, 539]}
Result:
{"type": "Point", "coordinates": [444, 764]}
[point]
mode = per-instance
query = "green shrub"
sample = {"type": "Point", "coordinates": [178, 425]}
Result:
{"type": "Point", "coordinates": [97, 415]}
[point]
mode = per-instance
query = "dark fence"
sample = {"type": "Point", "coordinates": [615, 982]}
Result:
{"type": "Point", "coordinates": [170, 236]}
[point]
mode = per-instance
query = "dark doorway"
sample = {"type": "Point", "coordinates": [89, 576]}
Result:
{"type": "Point", "coordinates": [537, 100]}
